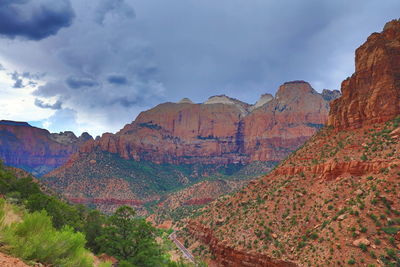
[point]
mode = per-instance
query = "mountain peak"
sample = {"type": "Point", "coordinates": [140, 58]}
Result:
{"type": "Point", "coordinates": [294, 89]}
{"type": "Point", "coordinates": [14, 123]}
{"type": "Point", "coordinates": [264, 99]}
{"type": "Point", "coordinates": [223, 99]}
{"type": "Point", "coordinates": [372, 94]}
{"type": "Point", "coordinates": [185, 101]}
{"type": "Point", "coordinates": [330, 95]}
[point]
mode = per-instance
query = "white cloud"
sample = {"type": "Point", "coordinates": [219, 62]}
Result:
{"type": "Point", "coordinates": [18, 104]}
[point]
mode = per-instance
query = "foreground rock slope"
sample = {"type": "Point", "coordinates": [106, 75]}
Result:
{"type": "Point", "coordinates": [335, 201]}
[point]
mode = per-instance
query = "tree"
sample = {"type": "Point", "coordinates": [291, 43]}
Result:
{"type": "Point", "coordinates": [93, 229]}
{"type": "Point", "coordinates": [131, 239]}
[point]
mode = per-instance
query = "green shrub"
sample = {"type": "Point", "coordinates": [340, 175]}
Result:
{"type": "Point", "coordinates": [35, 238]}
{"type": "Point", "coordinates": [351, 262]}
{"type": "Point", "coordinates": [1, 211]}
{"type": "Point", "coordinates": [391, 230]}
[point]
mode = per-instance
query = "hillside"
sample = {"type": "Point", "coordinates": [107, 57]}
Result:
{"type": "Point", "coordinates": [36, 150]}
{"type": "Point", "coordinates": [175, 145]}
{"type": "Point", "coordinates": [336, 200]}
{"type": "Point", "coordinates": [38, 229]}
{"type": "Point", "coordinates": [105, 181]}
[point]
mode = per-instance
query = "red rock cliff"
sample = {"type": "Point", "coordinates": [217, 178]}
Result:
{"type": "Point", "coordinates": [34, 149]}
{"type": "Point", "coordinates": [222, 130]}
{"type": "Point", "coordinates": [372, 93]}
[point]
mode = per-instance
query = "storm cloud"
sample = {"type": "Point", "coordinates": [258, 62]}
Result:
{"type": "Point", "coordinates": [34, 20]}
{"type": "Point", "coordinates": [17, 80]}
{"type": "Point", "coordinates": [117, 79]}
{"type": "Point", "coordinates": [120, 57]}
{"type": "Point", "coordinates": [78, 82]}
{"type": "Point", "coordinates": [40, 103]}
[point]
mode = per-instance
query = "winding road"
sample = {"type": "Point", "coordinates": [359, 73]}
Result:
{"type": "Point", "coordinates": [182, 248]}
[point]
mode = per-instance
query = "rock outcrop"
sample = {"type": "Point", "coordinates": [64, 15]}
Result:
{"type": "Point", "coordinates": [330, 95]}
{"type": "Point", "coordinates": [222, 130]}
{"type": "Point", "coordinates": [36, 150]}
{"type": "Point", "coordinates": [327, 195]}
{"type": "Point", "coordinates": [372, 94]}
{"type": "Point", "coordinates": [274, 130]}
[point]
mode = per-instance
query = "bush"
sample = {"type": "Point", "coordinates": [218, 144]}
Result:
{"type": "Point", "coordinates": [36, 239]}
{"type": "Point", "coordinates": [1, 212]}
{"type": "Point", "coordinates": [62, 214]}
{"type": "Point", "coordinates": [131, 239]}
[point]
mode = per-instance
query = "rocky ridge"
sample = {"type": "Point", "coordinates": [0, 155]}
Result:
{"type": "Point", "coordinates": [36, 150]}
{"type": "Point", "coordinates": [335, 201]}
{"type": "Point", "coordinates": [371, 95]}
{"type": "Point", "coordinates": [222, 130]}
{"type": "Point", "coordinates": [193, 141]}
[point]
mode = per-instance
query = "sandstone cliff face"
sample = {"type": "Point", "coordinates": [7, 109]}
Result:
{"type": "Point", "coordinates": [327, 195]}
{"type": "Point", "coordinates": [34, 149]}
{"type": "Point", "coordinates": [284, 123]}
{"type": "Point", "coordinates": [222, 130]}
{"type": "Point", "coordinates": [372, 93]}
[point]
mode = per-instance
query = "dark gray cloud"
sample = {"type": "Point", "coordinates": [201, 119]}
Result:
{"type": "Point", "coordinates": [41, 104]}
{"type": "Point", "coordinates": [17, 80]}
{"type": "Point", "coordinates": [34, 20]}
{"type": "Point", "coordinates": [29, 77]}
{"type": "Point", "coordinates": [117, 79]}
{"type": "Point", "coordinates": [79, 82]}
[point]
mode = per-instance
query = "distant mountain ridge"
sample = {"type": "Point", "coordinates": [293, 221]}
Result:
{"type": "Point", "coordinates": [221, 130]}
{"type": "Point", "coordinates": [36, 150]}
{"type": "Point", "coordinates": [174, 145]}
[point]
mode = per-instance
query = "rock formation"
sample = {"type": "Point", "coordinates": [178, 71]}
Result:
{"type": "Point", "coordinates": [175, 144]}
{"type": "Point", "coordinates": [222, 130]}
{"type": "Point", "coordinates": [36, 150]}
{"type": "Point", "coordinates": [325, 202]}
{"type": "Point", "coordinates": [372, 94]}
{"type": "Point", "coordinates": [330, 95]}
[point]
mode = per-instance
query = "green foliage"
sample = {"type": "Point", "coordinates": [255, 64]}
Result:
{"type": "Point", "coordinates": [132, 239]}
{"type": "Point", "coordinates": [351, 262]}
{"type": "Point", "coordinates": [1, 211]}
{"type": "Point", "coordinates": [61, 213]}
{"type": "Point", "coordinates": [55, 232]}
{"type": "Point", "coordinates": [364, 157]}
{"type": "Point", "coordinates": [35, 238]}
{"type": "Point", "coordinates": [391, 230]}
{"type": "Point", "coordinates": [10, 183]}
{"type": "Point", "coordinates": [93, 228]}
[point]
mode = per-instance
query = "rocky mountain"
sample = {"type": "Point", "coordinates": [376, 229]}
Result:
{"type": "Point", "coordinates": [175, 145]}
{"type": "Point", "coordinates": [36, 150]}
{"type": "Point", "coordinates": [333, 202]}
{"type": "Point", "coordinates": [221, 130]}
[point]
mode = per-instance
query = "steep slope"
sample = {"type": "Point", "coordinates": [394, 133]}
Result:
{"type": "Point", "coordinates": [335, 201]}
{"type": "Point", "coordinates": [175, 145]}
{"type": "Point", "coordinates": [36, 150]}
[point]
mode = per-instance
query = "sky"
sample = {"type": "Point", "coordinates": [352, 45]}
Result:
{"type": "Point", "coordinates": [95, 65]}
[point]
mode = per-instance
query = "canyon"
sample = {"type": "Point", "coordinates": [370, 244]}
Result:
{"type": "Point", "coordinates": [333, 202]}
{"type": "Point", "coordinates": [176, 145]}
